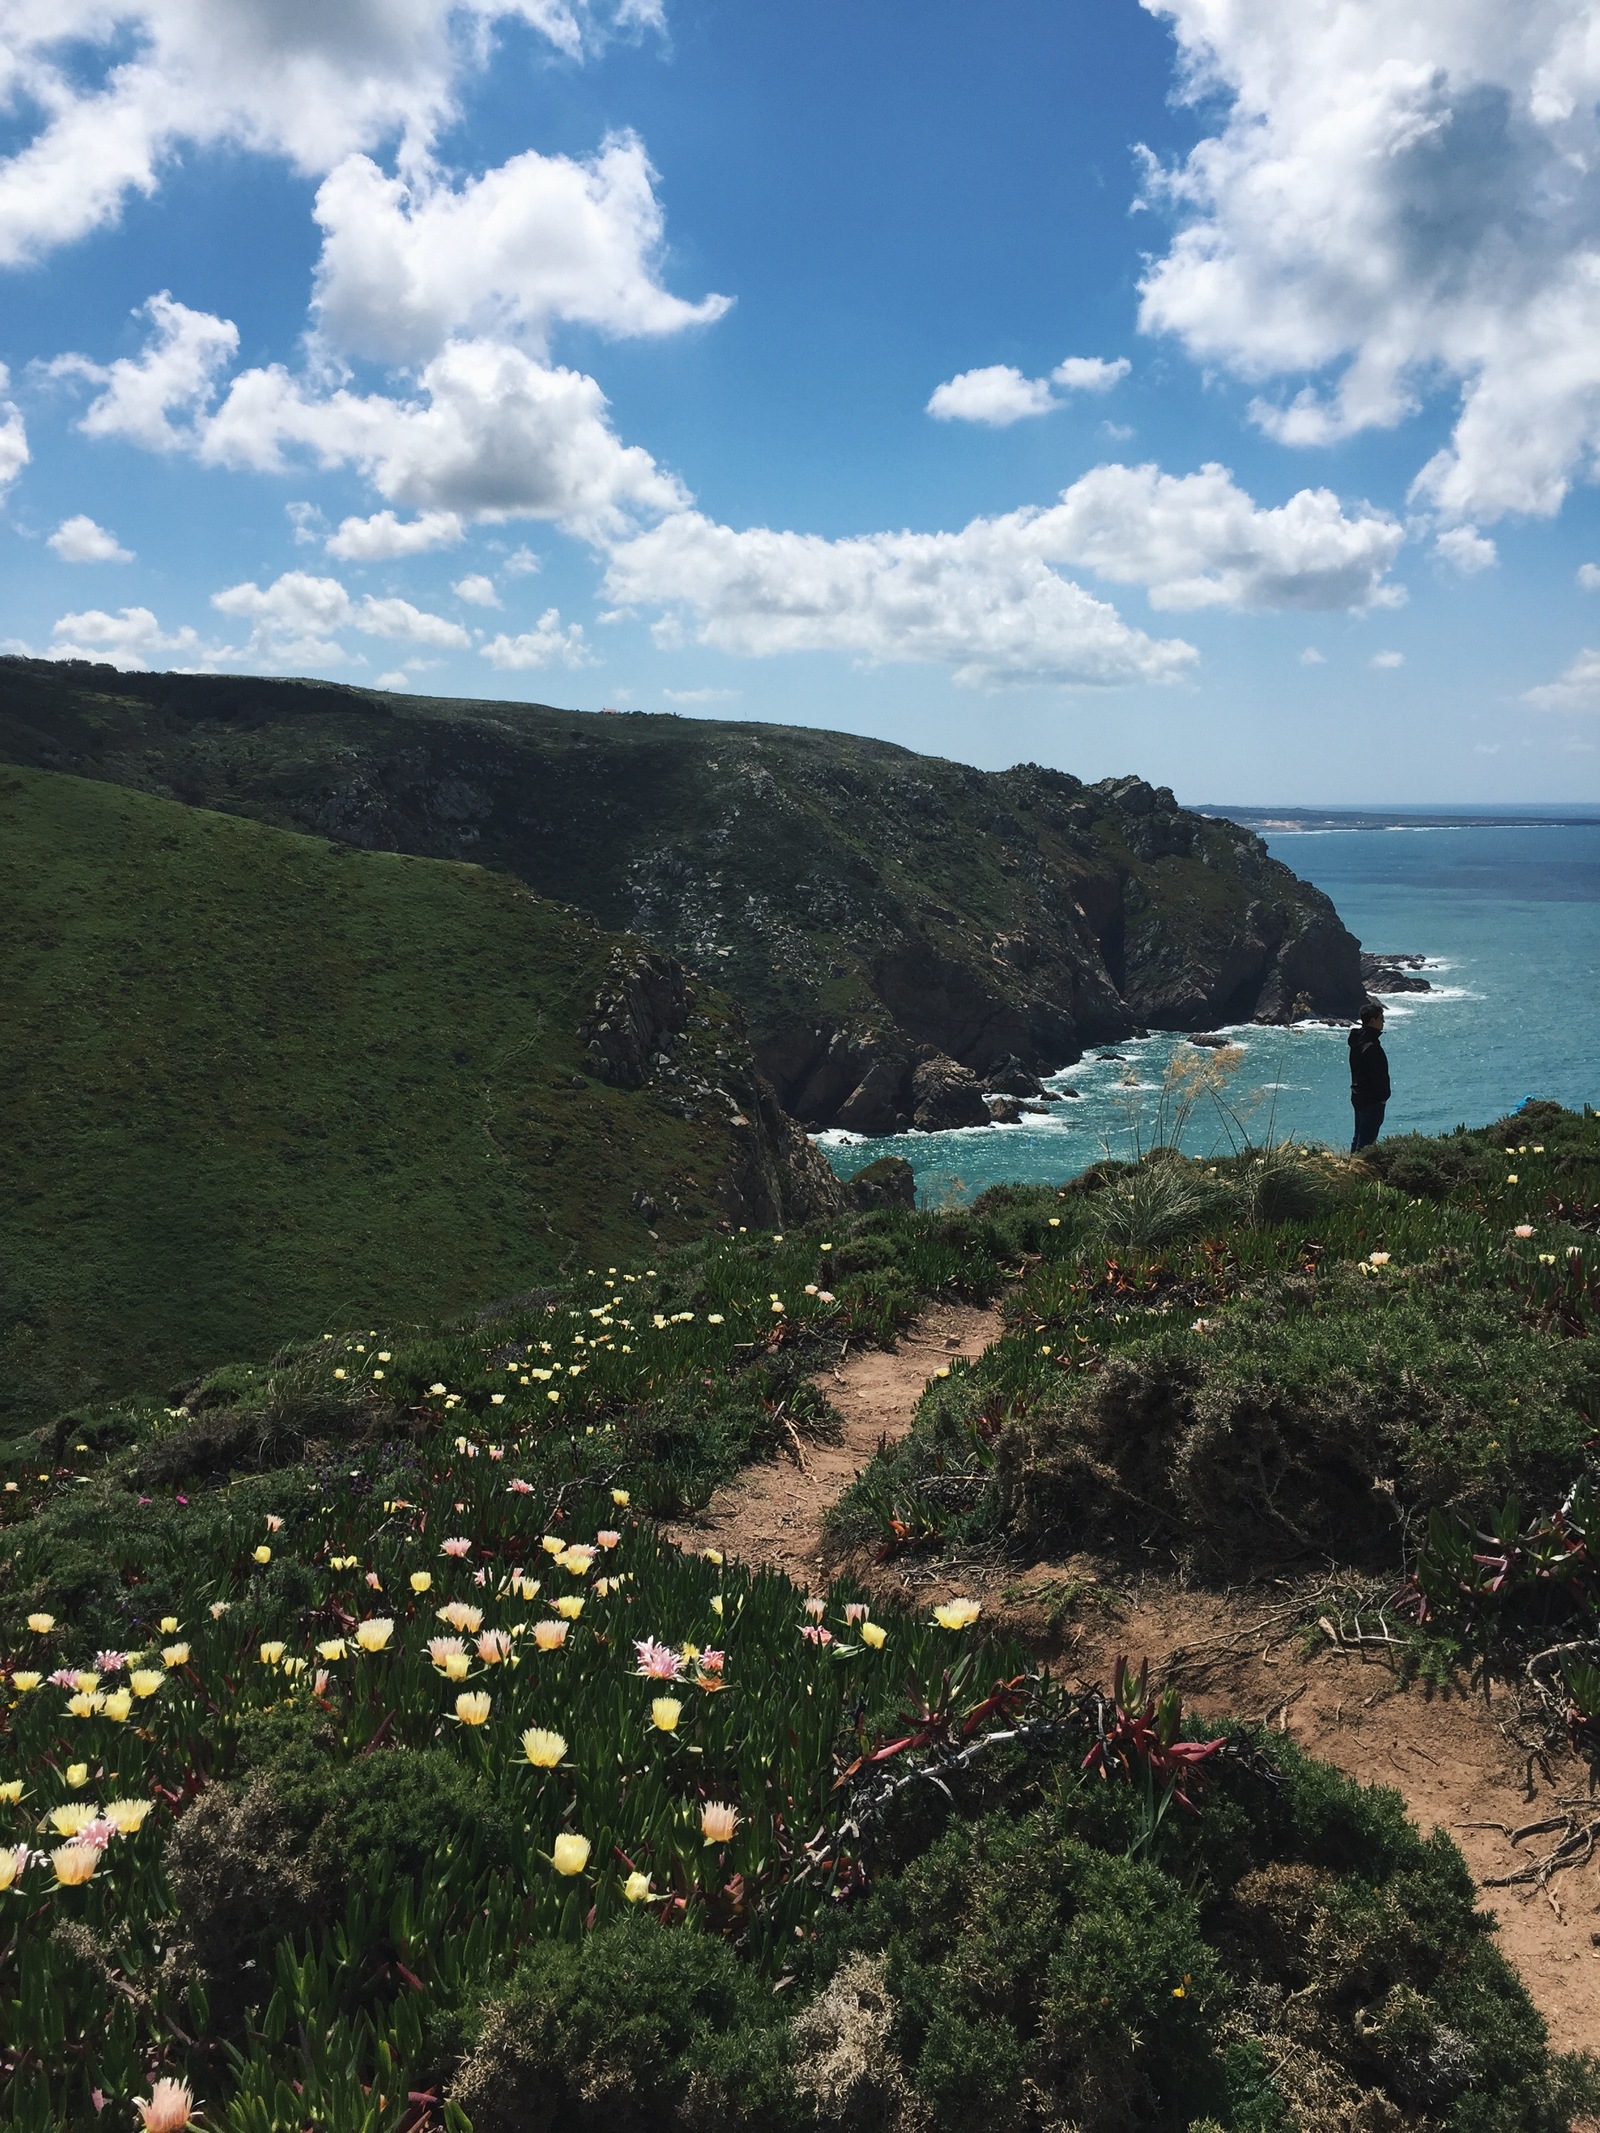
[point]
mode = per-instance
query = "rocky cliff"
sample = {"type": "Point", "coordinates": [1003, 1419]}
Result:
{"type": "Point", "coordinates": [900, 931]}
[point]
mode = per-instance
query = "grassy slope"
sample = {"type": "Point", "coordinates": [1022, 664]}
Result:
{"type": "Point", "coordinates": [830, 877]}
{"type": "Point", "coordinates": [254, 1084]}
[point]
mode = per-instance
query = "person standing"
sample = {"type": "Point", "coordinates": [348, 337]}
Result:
{"type": "Point", "coordinates": [1369, 1076]}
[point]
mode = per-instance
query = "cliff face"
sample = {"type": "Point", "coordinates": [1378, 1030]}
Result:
{"type": "Point", "coordinates": [875, 912]}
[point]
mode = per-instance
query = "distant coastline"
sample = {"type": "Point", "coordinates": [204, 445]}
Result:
{"type": "Point", "coordinates": [1290, 820]}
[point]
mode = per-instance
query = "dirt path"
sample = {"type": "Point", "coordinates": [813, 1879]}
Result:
{"type": "Point", "coordinates": [773, 1513]}
{"type": "Point", "coordinates": [1453, 1759]}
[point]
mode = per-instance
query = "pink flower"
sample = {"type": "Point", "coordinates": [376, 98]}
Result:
{"type": "Point", "coordinates": [711, 1662]}
{"type": "Point", "coordinates": [480, 1577]}
{"type": "Point", "coordinates": [274, 1522]}
{"type": "Point", "coordinates": [168, 2108]}
{"type": "Point", "coordinates": [456, 1547]}
{"type": "Point", "coordinates": [814, 1633]}
{"type": "Point", "coordinates": [517, 1487]}
{"type": "Point", "coordinates": [814, 1608]}
{"type": "Point", "coordinates": [374, 1581]}
{"type": "Point", "coordinates": [497, 1451]}
{"type": "Point", "coordinates": [1523, 1229]}
{"type": "Point", "coordinates": [718, 1821]}
{"type": "Point", "coordinates": [855, 1611]}
{"type": "Point", "coordinates": [319, 1685]}
{"type": "Point", "coordinates": [493, 1646]}
{"type": "Point", "coordinates": [99, 1833]}
{"type": "Point", "coordinates": [657, 1662]}
{"type": "Point", "coordinates": [64, 1677]}
{"type": "Point", "coordinates": [607, 1539]}
{"type": "Point", "coordinates": [110, 1662]}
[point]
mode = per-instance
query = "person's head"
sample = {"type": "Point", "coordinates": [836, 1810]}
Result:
{"type": "Point", "coordinates": [1372, 1015]}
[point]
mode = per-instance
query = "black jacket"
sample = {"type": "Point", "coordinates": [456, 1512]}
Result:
{"type": "Point", "coordinates": [1369, 1069]}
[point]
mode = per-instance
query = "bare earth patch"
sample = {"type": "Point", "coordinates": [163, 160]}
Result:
{"type": "Point", "coordinates": [1456, 1759]}
{"type": "Point", "coordinates": [773, 1513]}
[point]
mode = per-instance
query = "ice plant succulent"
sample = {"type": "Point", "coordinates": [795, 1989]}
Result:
{"type": "Point", "coordinates": [570, 1853]}
{"type": "Point", "coordinates": [957, 1614]}
{"type": "Point", "coordinates": [718, 1821]}
{"type": "Point", "coordinates": [168, 2108]}
{"type": "Point", "coordinates": [472, 1707]}
{"type": "Point", "coordinates": [543, 1748]}
{"type": "Point", "coordinates": [374, 1634]}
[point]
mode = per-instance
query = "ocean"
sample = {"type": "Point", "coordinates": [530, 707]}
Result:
{"type": "Point", "coordinates": [1507, 913]}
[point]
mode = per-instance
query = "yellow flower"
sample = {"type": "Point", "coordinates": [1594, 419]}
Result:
{"type": "Point", "coordinates": [117, 1706]}
{"type": "Point", "coordinates": [86, 1682]}
{"type": "Point", "coordinates": [11, 1791]}
{"type": "Point", "coordinates": [84, 1705]}
{"type": "Point", "coordinates": [73, 1817]}
{"type": "Point", "coordinates": [664, 1714]}
{"type": "Point", "coordinates": [1511, 1177]}
{"type": "Point", "coordinates": [550, 1636]}
{"type": "Point", "coordinates": [170, 1625]}
{"type": "Point", "coordinates": [11, 1864]}
{"type": "Point", "coordinates": [373, 1634]}
{"type": "Point", "coordinates": [713, 1555]}
{"type": "Point", "coordinates": [41, 1623]}
{"type": "Point", "coordinates": [145, 1681]}
{"type": "Point", "coordinates": [74, 1864]}
{"type": "Point", "coordinates": [332, 1648]}
{"type": "Point", "coordinates": [957, 1614]}
{"type": "Point", "coordinates": [718, 1821]}
{"type": "Point", "coordinates": [126, 1816]}
{"type": "Point", "coordinates": [292, 1667]}
{"type": "Point", "coordinates": [462, 1617]}
{"type": "Point", "coordinates": [716, 1603]}
{"type": "Point", "coordinates": [543, 1748]}
{"type": "Point", "coordinates": [263, 1554]}
{"type": "Point", "coordinates": [455, 1666]}
{"type": "Point", "coordinates": [272, 1651]}
{"type": "Point", "coordinates": [472, 1707]}
{"type": "Point", "coordinates": [175, 1654]}
{"type": "Point", "coordinates": [621, 1498]}
{"type": "Point", "coordinates": [570, 1853]}
{"type": "Point", "coordinates": [553, 1544]}
{"type": "Point", "coordinates": [24, 1680]}
{"type": "Point", "coordinates": [77, 1774]}
{"type": "Point", "coordinates": [421, 1581]}
{"type": "Point", "coordinates": [874, 1635]}
{"type": "Point", "coordinates": [570, 1605]}
{"type": "Point", "coordinates": [636, 1888]}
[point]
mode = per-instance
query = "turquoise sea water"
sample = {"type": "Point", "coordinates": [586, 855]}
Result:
{"type": "Point", "coordinates": [1509, 917]}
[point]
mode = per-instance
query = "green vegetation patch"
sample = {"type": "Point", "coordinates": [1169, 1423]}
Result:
{"type": "Point", "coordinates": [256, 1085]}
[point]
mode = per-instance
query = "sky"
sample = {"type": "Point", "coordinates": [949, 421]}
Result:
{"type": "Point", "coordinates": [1208, 389]}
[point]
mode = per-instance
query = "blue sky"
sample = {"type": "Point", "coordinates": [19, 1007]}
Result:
{"type": "Point", "coordinates": [1208, 389]}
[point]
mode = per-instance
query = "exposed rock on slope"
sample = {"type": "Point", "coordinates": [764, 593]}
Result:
{"type": "Point", "coordinates": [875, 912]}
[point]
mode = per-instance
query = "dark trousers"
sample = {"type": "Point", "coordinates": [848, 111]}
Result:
{"type": "Point", "coordinates": [1369, 1124]}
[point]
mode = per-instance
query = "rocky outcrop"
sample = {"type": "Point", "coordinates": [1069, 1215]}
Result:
{"type": "Point", "coordinates": [945, 1097]}
{"type": "Point", "coordinates": [1394, 973]}
{"type": "Point", "coordinates": [638, 1015]}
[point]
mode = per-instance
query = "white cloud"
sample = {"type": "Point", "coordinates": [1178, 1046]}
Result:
{"type": "Point", "coordinates": [409, 264]}
{"type": "Point", "coordinates": [307, 522]}
{"type": "Point", "coordinates": [996, 396]}
{"type": "Point", "coordinates": [1090, 374]}
{"type": "Point", "coordinates": [1198, 540]}
{"type": "Point", "coordinates": [701, 696]}
{"type": "Point", "coordinates": [176, 372]}
{"type": "Point", "coordinates": [377, 539]}
{"type": "Point", "coordinates": [112, 92]}
{"type": "Point", "coordinates": [1467, 549]}
{"type": "Point", "coordinates": [80, 540]}
{"type": "Point", "coordinates": [1398, 197]}
{"type": "Point", "coordinates": [489, 433]}
{"type": "Point", "coordinates": [397, 678]}
{"type": "Point", "coordinates": [1311, 657]}
{"type": "Point", "coordinates": [130, 638]}
{"type": "Point", "coordinates": [297, 615]}
{"type": "Point", "coordinates": [546, 645]}
{"type": "Point", "coordinates": [1387, 659]}
{"type": "Point", "coordinates": [987, 601]}
{"type": "Point", "coordinates": [1575, 689]}
{"type": "Point", "coordinates": [1589, 577]}
{"type": "Point", "coordinates": [520, 563]}
{"type": "Point", "coordinates": [477, 589]}
{"type": "Point", "coordinates": [14, 452]}
{"type": "Point", "coordinates": [1000, 395]}
{"type": "Point", "coordinates": [978, 601]}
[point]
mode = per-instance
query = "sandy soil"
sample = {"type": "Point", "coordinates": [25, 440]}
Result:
{"type": "Point", "coordinates": [1456, 1759]}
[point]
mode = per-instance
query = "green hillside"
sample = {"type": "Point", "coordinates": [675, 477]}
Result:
{"type": "Point", "coordinates": [252, 1084]}
{"type": "Point", "coordinates": [868, 907]}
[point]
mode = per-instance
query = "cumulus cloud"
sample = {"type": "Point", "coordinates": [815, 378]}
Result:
{"type": "Point", "coordinates": [409, 263]}
{"type": "Point", "coordinates": [297, 615]}
{"type": "Point", "coordinates": [1000, 395]}
{"type": "Point", "coordinates": [547, 644]}
{"type": "Point", "coordinates": [1385, 660]}
{"type": "Point", "coordinates": [311, 84]}
{"type": "Point", "coordinates": [1467, 549]}
{"type": "Point", "coordinates": [476, 589]}
{"type": "Point", "coordinates": [1575, 689]}
{"type": "Point", "coordinates": [487, 433]}
{"type": "Point", "coordinates": [175, 373]}
{"type": "Point", "coordinates": [80, 540]}
{"type": "Point", "coordinates": [1589, 577]}
{"type": "Point", "coordinates": [1395, 197]}
{"type": "Point", "coordinates": [989, 601]}
{"type": "Point", "coordinates": [1311, 657]}
{"type": "Point", "coordinates": [13, 437]}
{"type": "Point", "coordinates": [383, 536]}
{"type": "Point", "coordinates": [130, 638]}
{"type": "Point", "coordinates": [996, 396]}
{"type": "Point", "coordinates": [977, 601]}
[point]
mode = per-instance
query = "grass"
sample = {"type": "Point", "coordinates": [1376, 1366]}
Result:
{"type": "Point", "coordinates": [255, 1086]}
